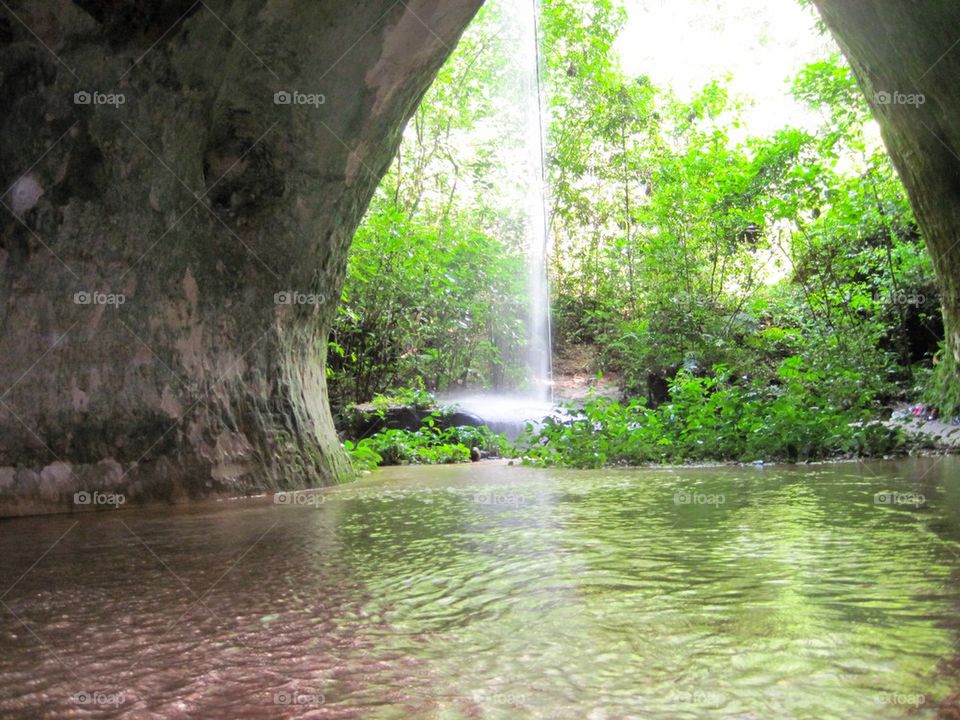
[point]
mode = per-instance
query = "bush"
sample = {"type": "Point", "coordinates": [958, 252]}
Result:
{"type": "Point", "coordinates": [427, 446]}
{"type": "Point", "coordinates": [716, 418]}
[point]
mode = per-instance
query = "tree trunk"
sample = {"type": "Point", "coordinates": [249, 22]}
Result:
{"type": "Point", "coordinates": [182, 180]}
{"type": "Point", "coordinates": [906, 56]}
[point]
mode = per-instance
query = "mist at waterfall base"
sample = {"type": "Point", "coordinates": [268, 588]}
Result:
{"type": "Point", "coordinates": [508, 413]}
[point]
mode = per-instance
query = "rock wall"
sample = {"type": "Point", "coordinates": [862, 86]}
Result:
{"type": "Point", "coordinates": [181, 181]}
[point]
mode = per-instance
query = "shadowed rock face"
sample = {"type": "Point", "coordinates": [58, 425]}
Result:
{"type": "Point", "coordinates": [180, 184]}
{"type": "Point", "coordinates": [906, 55]}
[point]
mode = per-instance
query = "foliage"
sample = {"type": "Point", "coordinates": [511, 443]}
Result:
{"type": "Point", "coordinates": [715, 418]}
{"type": "Point", "coordinates": [435, 282]}
{"type": "Point", "coordinates": [419, 301]}
{"type": "Point", "coordinates": [417, 397]}
{"type": "Point", "coordinates": [362, 455]}
{"type": "Point", "coordinates": [760, 297]}
{"type": "Point", "coordinates": [684, 243]}
{"type": "Point", "coordinates": [427, 446]}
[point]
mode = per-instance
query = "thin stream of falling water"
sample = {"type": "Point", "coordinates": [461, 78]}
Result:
{"type": "Point", "coordinates": [524, 17]}
{"type": "Point", "coordinates": [540, 284]}
{"type": "Point", "coordinates": [525, 133]}
{"type": "Point", "coordinates": [522, 112]}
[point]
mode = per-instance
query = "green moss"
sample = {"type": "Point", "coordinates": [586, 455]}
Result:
{"type": "Point", "coordinates": [943, 388]}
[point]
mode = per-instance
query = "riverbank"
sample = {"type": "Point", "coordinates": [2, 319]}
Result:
{"type": "Point", "coordinates": [944, 436]}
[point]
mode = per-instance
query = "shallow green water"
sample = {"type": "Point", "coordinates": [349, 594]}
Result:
{"type": "Point", "coordinates": [501, 592]}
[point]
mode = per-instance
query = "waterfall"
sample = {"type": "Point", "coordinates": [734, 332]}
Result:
{"type": "Point", "coordinates": [540, 354]}
{"type": "Point", "coordinates": [522, 127]}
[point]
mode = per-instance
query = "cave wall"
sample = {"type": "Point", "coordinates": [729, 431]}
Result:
{"type": "Point", "coordinates": [906, 56]}
{"type": "Point", "coordinates": [181, 181]}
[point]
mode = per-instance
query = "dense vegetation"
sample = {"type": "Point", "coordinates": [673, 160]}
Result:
{"type": "Point", "coordinates": [671, 229]}
{"type": "Point", "coordinates": [758, 297]}
{"type": "Point", "coordinates": [715, 418]}
{"type": "Point", "coordinates": [436, 283]}
{"type": "Point", "coordinates": [430, 445]}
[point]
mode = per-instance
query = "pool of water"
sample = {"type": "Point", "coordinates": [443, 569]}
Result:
{"type": "Point", "coordinates": [488, 591]}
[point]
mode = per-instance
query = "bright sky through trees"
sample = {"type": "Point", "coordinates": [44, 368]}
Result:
{"type": "Point", "coordinates": [683, 44]}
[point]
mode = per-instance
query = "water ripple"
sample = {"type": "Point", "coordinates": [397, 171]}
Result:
{"type": "Point", "coordinates": [500, 592]}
